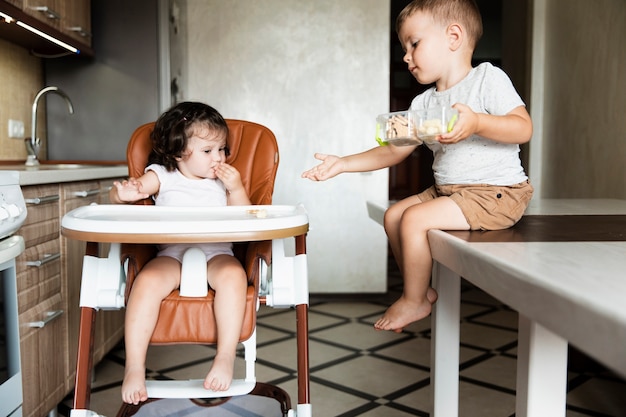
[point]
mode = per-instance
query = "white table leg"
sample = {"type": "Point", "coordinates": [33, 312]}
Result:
{"type": "Point", "coordinates": [445, 339]}
{"type": "Point", "coordinates": [541, 371]}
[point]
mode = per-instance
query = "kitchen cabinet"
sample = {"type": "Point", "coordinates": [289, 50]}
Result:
{"type": "Point", "coordinates": [66, 20]}
{"type": "Point", "coordinates": [40, 304]}
{"type": "Point", "coordinates": [76, 20]}
{"type": "Point", "coordinates": [46, 11]}
{"type": "Point", "coordinates": [49, 275]}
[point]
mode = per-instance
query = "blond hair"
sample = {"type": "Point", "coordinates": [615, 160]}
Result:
{"type": "Point", "coordinates": [465, 12]}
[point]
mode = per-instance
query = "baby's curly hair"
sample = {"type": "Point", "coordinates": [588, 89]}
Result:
{"type": "Point", "coordinates": [465, 12]}
{"type": "Point", "coordinates": [174, 127]}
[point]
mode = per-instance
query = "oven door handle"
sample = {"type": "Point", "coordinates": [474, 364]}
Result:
{"type": "Point", "coordinates": [50, 315]}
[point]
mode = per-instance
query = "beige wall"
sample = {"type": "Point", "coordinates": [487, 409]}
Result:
{"type": "Point", "coordinates": [579, 97]}
{"type": "Point", "coordinates": [21, 77]}
{"type": "Point", "coordinates": [317, 74]}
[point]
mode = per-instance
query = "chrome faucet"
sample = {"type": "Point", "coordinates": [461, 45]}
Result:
{"type": "Point", "coordinates": [33, 143]}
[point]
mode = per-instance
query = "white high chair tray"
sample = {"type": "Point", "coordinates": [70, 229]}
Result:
{"type": "Point", "coordinates": [152, 224]}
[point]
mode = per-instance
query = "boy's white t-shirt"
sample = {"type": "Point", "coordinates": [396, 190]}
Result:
{"type": "Point", "coordinates": [476, 160]}
{"type": "Point", "coordinates": [176, 190]}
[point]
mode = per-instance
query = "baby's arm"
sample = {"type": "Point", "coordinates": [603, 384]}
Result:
{"type": "Point", "coordinates": [237, 195]}
{"type": "Point", "coordinates": [370, 160]}
{"type": "Point", "coordinates": [514, 127]}
{"type": "Point", "coordinates": [134, 189]}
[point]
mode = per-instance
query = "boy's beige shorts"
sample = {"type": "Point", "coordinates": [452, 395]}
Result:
{"type": "Point", "coordinates": [486, 207]}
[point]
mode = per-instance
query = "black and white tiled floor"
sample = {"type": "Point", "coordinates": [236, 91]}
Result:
{"type": "Point", "coordinates": [357, 371]}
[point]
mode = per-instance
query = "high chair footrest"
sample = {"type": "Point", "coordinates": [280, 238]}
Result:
{"type": "Point", "coordinates": [193, 388]}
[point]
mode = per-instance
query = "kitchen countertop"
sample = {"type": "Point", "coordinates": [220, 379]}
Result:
{"type": "Point", "coordinates": [50, 173]}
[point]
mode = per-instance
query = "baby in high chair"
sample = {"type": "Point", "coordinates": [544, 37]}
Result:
{"type": "Point", "coordinates": [186, 167]}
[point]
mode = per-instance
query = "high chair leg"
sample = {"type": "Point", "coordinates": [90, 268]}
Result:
{"type": "Point", "coordinates": [84, 360]}
{"type": "Point", "coordinates": [302, 339]}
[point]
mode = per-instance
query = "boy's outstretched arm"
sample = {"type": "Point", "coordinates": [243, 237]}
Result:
{"type": "Point", "coordinates": [370, 160]}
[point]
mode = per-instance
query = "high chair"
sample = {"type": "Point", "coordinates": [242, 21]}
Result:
{"type": "Point", "coordinates": [186, 315]}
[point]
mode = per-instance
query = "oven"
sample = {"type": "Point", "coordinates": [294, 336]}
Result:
{"type": "Point", "coordinates": [12, 215]}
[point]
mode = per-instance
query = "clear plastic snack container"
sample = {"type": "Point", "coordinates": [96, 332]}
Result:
{"type": "Point", "coordinates": [434, 121]}
{"type": "Point", "coordinates": [412, 127]}
{"type": "Point", "coordinates": [397, 128]}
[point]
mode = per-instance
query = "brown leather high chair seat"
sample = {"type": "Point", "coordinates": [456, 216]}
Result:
{"type": "Point", "coordinates": [254, 152]}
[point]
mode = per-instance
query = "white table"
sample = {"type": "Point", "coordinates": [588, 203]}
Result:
{"type": "Point", "coordinates": [566, 290]}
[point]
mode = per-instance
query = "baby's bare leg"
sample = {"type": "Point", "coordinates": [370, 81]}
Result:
{"type": "Point", "coordinates": [157, 279]}
{"type": "Point", "coordinates": [228, 278]}
{"type": "Point", "coordinates": [416, 260]}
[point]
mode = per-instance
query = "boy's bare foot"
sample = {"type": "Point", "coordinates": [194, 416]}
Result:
{"type": "Point", "coordinates": [404, 312]}
{"type": "Point", "coordinates": [134, 385]}
{"type": "Point", "coordinates": [221, 374]}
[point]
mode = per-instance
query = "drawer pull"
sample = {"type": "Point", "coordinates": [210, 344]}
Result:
{"type": "Point", "coordinates": [46, 258]}
{"type": "Point", "coordinates": [49, 316]}
{"type": "Point", "coordinates": [48, 12]}
{"type": "Point", "coordinates": [42, 200]}
{"type": "Point", "coordinates": [86, 193]}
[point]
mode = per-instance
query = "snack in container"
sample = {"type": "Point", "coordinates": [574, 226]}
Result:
{"type": "Point", "coordinates": [434, 121]}
{"type": "Point", "coordinates": [396, 128]}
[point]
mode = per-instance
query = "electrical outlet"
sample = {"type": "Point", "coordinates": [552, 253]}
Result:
{"type": "Point", "coordinates": [16, 129]}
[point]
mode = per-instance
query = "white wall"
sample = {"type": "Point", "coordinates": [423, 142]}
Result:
{"type": "Point", "coordinates": [316, 73]}
{"type": "Point", "coordinates": [578, 103]}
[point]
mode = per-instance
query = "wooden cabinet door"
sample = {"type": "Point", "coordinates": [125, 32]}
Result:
{"type": "Point", "coordinates": [43, 358]}
{"type": "Point", "coordinates": [41, 313]}
{"type": "Point", "coordinates": [46, 11]}
{"type": "Point", "coordinates": [76, 20]}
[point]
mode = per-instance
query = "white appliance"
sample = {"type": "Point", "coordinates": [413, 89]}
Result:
{"type": "Point", "coordinates": [12, 215]}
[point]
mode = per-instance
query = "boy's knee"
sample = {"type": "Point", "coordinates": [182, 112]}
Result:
{"type": "Point", "coordinates": [391, 217]}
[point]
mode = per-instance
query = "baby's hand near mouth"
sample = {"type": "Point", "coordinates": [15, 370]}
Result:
{"type": "Point", "coordinates": [229, 176]}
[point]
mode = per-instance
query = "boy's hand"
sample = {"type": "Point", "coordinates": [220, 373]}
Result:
{"type": "Point", "coordinates": [465, 126]}
{"type": "Point", "coordinates": [331, 165]}
{"type": "Point", "coordinates": [129, 191]}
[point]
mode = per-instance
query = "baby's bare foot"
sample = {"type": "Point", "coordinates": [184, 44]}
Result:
{"type": "Point", "coordinates": [221, 374]}
{"type": "Point", "coordinates": [134, 385]}
{"type": "Point", "coordinates": [404, 312]}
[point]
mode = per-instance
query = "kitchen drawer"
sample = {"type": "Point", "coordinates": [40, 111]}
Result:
{"type": "Point", "coordinates": [43, 356]}
{"type": "Point", "coordinates": [42, 202]}
{"type": "Point", "coordinates": [42, 221]}
{"type": "Point", "coordinates": [37, 233]}
{"type": "Point", "coordinates": [38, 274]}
{"type": "Point", "coordinates": [83, 190]}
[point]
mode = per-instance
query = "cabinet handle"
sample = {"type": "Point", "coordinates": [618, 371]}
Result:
{"type": "Point", "coordinates": [42, 200]}
{"type": "Point", "coordinates": [86, 193]}
{"type": "Point", "coordinates": [48, 12]}
{"type": "Point", "coordinates": [80, 31]}
{"type": "Point", "coordinates": [48, 317]}
{"type": "Point", "coordinates": [46, 258]}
